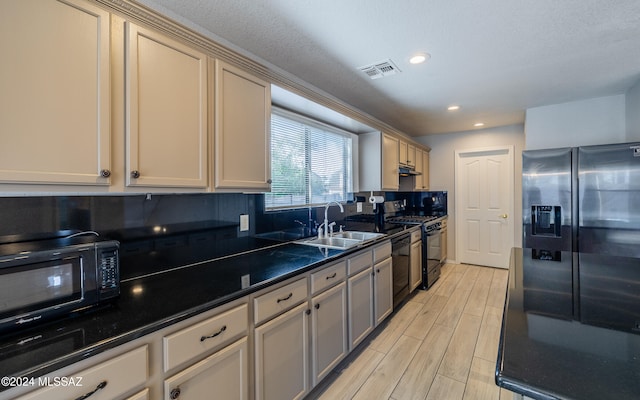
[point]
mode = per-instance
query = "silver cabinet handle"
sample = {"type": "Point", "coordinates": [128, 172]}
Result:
{"type": "Point", "coordinates": [285, 298]}
{"type": "Point", "coordinates": [203, 338]}
{"type": "Point", "coordinates": [135, 174]}
{"type": "Point", "coordinates": [317, 306]}
{"type": "Point", "coordinates": [100, 386]}
{"type": "Point", "coordinates": [105, 173]}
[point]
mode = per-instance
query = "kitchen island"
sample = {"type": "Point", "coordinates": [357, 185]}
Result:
{"type": "Point", "coordinates": [545, 356]}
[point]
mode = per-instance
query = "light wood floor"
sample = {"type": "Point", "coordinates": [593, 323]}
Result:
{"type": "Point", "coordinates": [442, 344]}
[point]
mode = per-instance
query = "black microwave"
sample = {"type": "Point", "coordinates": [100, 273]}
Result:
{"type": "Point", "coordinates": [46, 279]}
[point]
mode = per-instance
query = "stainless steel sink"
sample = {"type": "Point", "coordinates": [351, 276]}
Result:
{"type": "Point", "coordinates": [362, 236]}
{"type": "Point", "coordinates": [341, 240]}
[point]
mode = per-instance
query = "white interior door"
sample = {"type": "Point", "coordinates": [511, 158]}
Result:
{"type": "Point", "coordinates": [484, 206]}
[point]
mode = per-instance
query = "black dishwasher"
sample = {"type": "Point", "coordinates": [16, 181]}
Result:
{"type": "Point", "coordinates": [400, 249]}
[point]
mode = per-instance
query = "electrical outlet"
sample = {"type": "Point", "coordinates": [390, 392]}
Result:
{"type": "Point", "coordinates": [244, 222]}
{"type": "Point", "coordinates": [359, 207]}
{"type": "Point", "coordinates": [245, 281]}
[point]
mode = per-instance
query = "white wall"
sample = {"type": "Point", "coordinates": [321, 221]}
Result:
{"type": "Point", "coordinates": [442, 168]}
{"type": "Point", "coordinates": [633, 113]}
{"type": "Point", "coordinates": [594, 121]}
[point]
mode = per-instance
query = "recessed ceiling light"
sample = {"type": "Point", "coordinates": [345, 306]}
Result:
{"type": "Point", "coordinates": [453, 108]}
{"type": "Point", "coordinates": [419, 58]}
{"type": "Point", "coordinates": [478, 124]}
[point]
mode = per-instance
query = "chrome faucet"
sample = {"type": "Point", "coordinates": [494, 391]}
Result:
{"type": "Point", "coordinates": [328, 226]}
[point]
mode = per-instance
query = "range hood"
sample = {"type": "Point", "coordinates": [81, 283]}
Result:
{"type": "Point", "coordinates": [406, 171]}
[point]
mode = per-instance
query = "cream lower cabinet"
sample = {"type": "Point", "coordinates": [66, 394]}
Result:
{"type": "Point", "coordinates": [56, 97]}
{"type": "Point", "coordinates": [242, 130]}
{"type": "Point", "coordinates": [222, 375]}
{"type": "Point", "coordinates": [382, 282]}
{"type": "Point", "coordinates": [360, 298]}
{"type": "Point", "coordinates": [415, 257]}
{"type": "Point", "coordinates": [166, 103]}
{"type": "Point", "coordinates": [282, 356]}
{"type": "Point", "coordinates": [109, 380]}
{"type": "Point", "coordinates": [328, 330]}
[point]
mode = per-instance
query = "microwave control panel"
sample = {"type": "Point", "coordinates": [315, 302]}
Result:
{"type": "Point", "coordinates": [108, 273]}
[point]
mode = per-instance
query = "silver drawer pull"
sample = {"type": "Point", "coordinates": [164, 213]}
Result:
{"type": "Point", "coordinates": [332, 276]}
{"type": "Point", "coordinates": [203, 338]}
{"type": "Point", "coordinates": [286, 298]}
{"type": "Point", "coordinates": [100, 386]}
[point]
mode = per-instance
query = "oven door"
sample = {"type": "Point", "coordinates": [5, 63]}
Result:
{"type": "Point", "coordinates": [36, 290]}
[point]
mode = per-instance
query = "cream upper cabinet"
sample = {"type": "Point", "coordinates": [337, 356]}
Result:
{"type": "Point", "coordinates": [403, 152]}
{"type": "Point", "coordinates": [55, 85]}
{"type": "Point", "coordinates": [425, 170]}
{"type": "Point", "coordinates": [166, 103]}
{"type": "Point", "coordinates": [411, 155]}
{"type": "Point", "coordinates": [419, 168]}
{"type": "Point", "coordinates": [407, 154]}
{"type": "Point", "coordinates": [379, 155]}
{"type": "Point", "coordinates": [242, 150]}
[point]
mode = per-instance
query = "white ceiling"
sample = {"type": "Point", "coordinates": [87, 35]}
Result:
{"type": "Point", "coordinates": [494, 58]}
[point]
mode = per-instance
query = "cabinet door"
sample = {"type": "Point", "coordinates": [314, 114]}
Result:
{"type": "Point", "coordinates": [55, 85]}
{"type": "Point", "coordinates": [425, 170]}
{"type": "Point", "coordinates": [166, 117]}
{"type": "Point", "coordinates": [390, 163]}
{"type": "Point", "coordinates": [411, 155]}
{"type": "Point", "coordinates": [415, 272]}
{"type": "Point", "coordinates": [403, 152]}
{"type": "Point", "coordinates": [419, 169]}
{"type": "Point", "coordinates": [360, 305]}
{"type": "Point", "coordinates": [329, 330]}
{"type": "Point", "coordinates": [282, 356]}
{"type": "Point", "coordinates": [383, 290]}
{"type": "Point", "coordinates": [224, 373]}
{"type": "Point", "coordinates": [242, 133]}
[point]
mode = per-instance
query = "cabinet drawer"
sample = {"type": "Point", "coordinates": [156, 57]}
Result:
{"type": "Point", "coordinates": [416, 235]}
{"type": "Point", "coordinates": [359, 263]}
{"type": "Point", "coordinates": [144, 395]}
{"type": "Point", "coordinates": [328, 277]}
{"type": "Point", "coordinates": [279, 300]}
{"type": "Point", "coordinates": [118, 375]}
{"type": "Point", "coordinates": [381, 252]}
{"type": "Point", "coordinates": [195, 340]}
{"type": "Point", "coordinates": [222, 375]}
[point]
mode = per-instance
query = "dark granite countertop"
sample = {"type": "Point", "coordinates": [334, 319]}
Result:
{"type": "Point", "coordinates": [543, 356]}
{"type": "Point", "coordinates": [160, 286]}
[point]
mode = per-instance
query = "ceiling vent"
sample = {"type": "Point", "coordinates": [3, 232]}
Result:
{"type": "Point", "coordinates": [380, 69]}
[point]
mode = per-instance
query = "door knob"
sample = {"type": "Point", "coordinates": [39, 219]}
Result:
{"type": "Point", "coordinates": [504, 216]}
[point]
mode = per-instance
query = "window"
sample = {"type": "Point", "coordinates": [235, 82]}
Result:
{"type": "Point", "coordinates": [311, 163]}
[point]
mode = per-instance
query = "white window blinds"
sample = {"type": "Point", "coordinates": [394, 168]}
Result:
{"type": "Point", "coordinates": [311, 163]}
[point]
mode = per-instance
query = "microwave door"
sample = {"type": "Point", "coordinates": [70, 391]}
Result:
{"type": "Point", "coordinates": [33, 290]}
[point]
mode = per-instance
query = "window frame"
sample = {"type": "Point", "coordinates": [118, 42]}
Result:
{"type": "Point", "coordinates": [317, 124]}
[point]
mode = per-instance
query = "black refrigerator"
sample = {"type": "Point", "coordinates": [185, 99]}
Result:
{"type": "Point", "coordinates": [581, 234]}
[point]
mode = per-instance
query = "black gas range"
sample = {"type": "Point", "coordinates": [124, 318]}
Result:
{"type": "Point", "coordinates": [433, 238]}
